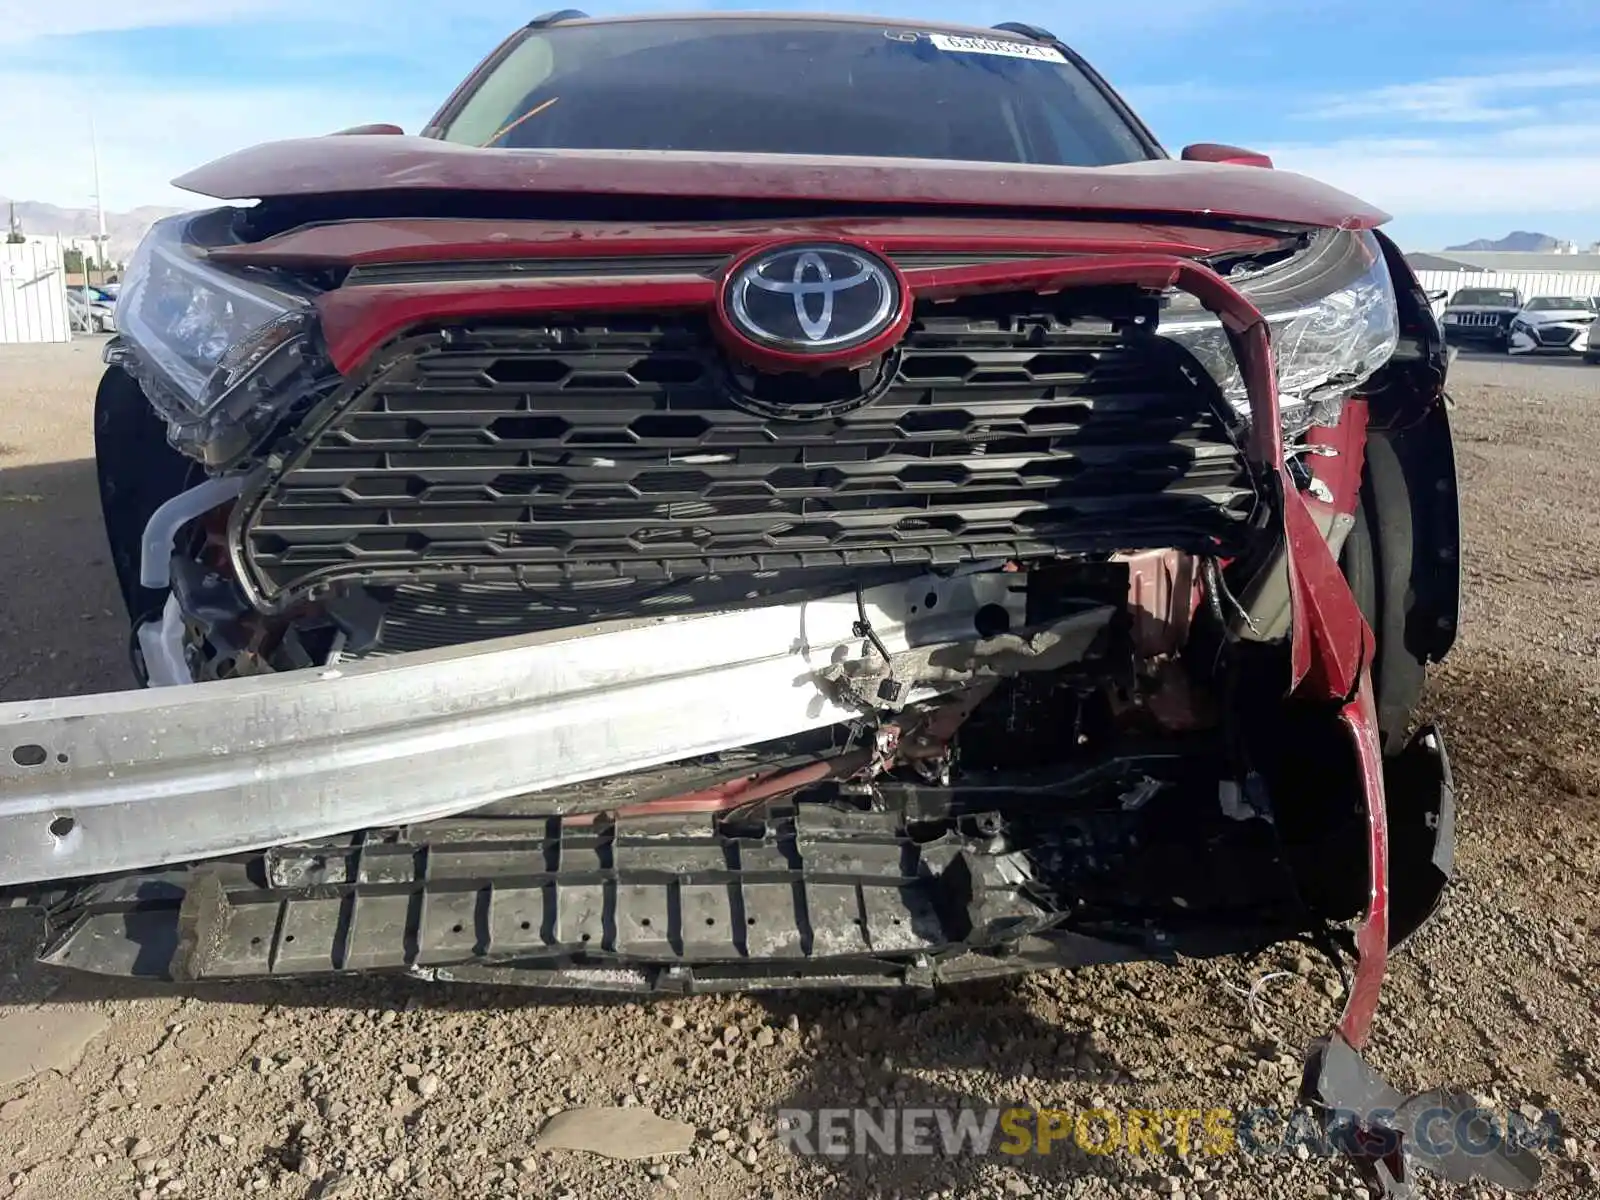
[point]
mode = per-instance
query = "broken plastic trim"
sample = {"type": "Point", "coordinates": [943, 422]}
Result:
{"type": "Point", "coordinates": [161, 532]}
{"type": "Point", "coordinates": [1389, 1135]}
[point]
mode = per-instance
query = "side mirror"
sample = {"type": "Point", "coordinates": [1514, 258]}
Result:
{"type": "Point", "coordinates": [362, 130]}
{"type": "Point", "coordinates": [1435, 297]}
{"type": "Point", "coordinates": [1216, 152]}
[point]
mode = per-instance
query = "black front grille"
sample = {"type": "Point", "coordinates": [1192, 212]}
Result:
{"type": "Point", "coordinates": [1481, 320]}
{"type": "Point", "coordinates": [1554, 335]}
{"type": "Point", "coordinates": [612, 449]}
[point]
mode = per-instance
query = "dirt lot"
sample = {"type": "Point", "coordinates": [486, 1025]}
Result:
{"type": "Point", "coordinates": [384, 1088]}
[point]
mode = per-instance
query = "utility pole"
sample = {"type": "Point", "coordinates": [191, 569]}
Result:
{"type": "Point", "coordinates": [99, 208]}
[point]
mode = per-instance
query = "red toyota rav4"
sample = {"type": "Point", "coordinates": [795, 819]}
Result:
{"type": "Point", "coordinates": [754, 501]}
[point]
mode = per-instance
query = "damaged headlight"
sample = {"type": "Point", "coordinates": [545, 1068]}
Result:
{"type": "Point", "coordinates": [211, 348]}
{"type": "Point", "coordinates": [1331, 309]}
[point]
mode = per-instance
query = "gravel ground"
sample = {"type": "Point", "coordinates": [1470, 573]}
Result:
{"type": "Point", "coordinates": [383, 1088]}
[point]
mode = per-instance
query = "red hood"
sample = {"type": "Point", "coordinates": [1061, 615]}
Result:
{"type": "Point", "coordinates": [384, 163]}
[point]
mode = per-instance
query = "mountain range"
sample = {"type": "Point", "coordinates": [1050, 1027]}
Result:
{"type": "Point", "coordinates": [1520, 241]}
{"type": "Point", "coordinates": [123, 229]}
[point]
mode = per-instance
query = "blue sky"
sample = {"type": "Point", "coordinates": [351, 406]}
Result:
{"type": "Point", "coordinates": [1464, 118]}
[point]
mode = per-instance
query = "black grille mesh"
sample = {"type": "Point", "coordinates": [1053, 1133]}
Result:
{"type": "Point", "coordinates": [590, 449]}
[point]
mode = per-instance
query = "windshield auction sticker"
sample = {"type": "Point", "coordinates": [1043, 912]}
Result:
{"type": "Point", "coordinates": [958, 44]}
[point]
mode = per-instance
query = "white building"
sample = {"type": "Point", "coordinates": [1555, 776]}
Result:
{"type": "Point", "coordinates": [33, 293]}
{"type": "Point", "coordinates": [1567, 272]}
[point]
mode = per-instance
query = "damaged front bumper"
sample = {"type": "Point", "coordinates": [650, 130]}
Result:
{"type": "Point", "coordinates": [1551, 337]}
{"type": "Point", "coordinates": [204, 831]}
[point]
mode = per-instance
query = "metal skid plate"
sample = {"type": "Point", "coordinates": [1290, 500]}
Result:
{"type": "Point", "coordinates": [818, 884]}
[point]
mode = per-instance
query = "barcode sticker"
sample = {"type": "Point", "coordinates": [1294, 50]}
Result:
{"type": "Point", "coordinates": [960, 44]}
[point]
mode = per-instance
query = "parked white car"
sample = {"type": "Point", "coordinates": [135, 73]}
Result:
{"type": "Point", "coordinates": [1559, 323]}
{"type": "Point", "coordinates": [89, 316]}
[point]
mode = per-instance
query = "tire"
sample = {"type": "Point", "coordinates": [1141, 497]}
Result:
{"type": "Point", "coordinates": [138, 472]}
{"type": "Point", "coordinates": [1377, 563]}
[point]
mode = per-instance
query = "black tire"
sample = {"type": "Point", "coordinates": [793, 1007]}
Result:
{"type": "Point", "coordinates": [1377, 563]}
{"type": "Point", "coordinates": [139, 471]}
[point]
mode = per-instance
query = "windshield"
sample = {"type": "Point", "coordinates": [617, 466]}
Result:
{"type": "Point", "coordinates": [792, 87]}
{"type": "Point", "coordinates": [1560, 304]}
{"type": "Point", "coordinates": [1504, 298]}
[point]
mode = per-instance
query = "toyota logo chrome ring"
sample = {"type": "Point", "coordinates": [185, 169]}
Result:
{"type": "Point", "coordinates": [813, 301]}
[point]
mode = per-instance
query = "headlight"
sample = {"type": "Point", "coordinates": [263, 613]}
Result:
{"type": "Point", "coordinates": [211, 348]}
{"type": "Point", "coordinates": [1331, 310]}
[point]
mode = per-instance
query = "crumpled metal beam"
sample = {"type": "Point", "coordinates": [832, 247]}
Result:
{"type": "Point", "coordinates": [128, 780]}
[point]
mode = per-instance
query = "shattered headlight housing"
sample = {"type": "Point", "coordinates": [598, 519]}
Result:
{"type": "Point", "coordinates": [215, 350]}
{"type": "Point", "coordinates": [1331, 308]}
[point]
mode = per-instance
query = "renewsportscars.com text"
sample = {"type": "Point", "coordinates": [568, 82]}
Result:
{"type": "Point", "coordinates": [1184, 1132]}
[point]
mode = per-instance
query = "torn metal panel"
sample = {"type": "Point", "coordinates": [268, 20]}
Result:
{"type": "Point", "coordinates": [140, 779]}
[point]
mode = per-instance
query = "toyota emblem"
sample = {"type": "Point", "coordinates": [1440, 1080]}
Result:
{"type": "Point", "coordinates": [820, 299]}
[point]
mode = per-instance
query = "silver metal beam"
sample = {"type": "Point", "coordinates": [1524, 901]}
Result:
{"type": "Point", "coordinates": [130, 780]}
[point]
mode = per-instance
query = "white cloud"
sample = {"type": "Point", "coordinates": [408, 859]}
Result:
{"type": "Point", "coordinates": [1574, 136]}
{"type": "Point", "coordinates": [1515, 144]}
{"type": "Point", "coordinates": [1463, 177]}
{"type": "Point", "coordinates": [1462, 99]}
{"type": "Point", "coordinates": [147, 136]}
{"type": "Point", "coordinates": [150, 128]}
{"type": "Point", "coordinates": [26, 20]}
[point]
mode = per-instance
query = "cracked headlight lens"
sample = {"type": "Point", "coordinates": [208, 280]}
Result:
{"type": "Point", "coordinates": [213, 349]}
{"type": "Point", "coordinates": [1331, 309]}
{"type": "Point", "coordinates": [186, 320]}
